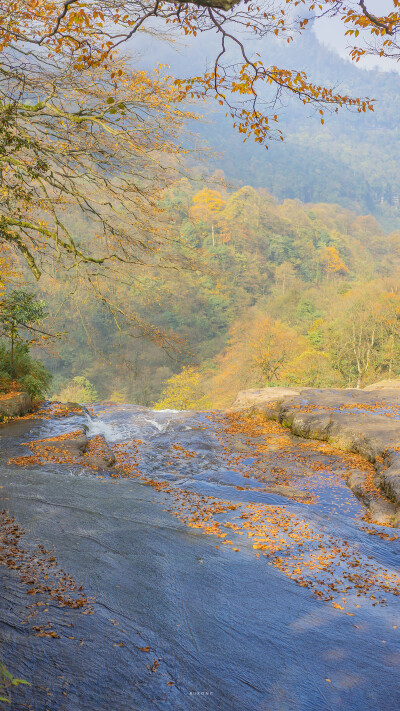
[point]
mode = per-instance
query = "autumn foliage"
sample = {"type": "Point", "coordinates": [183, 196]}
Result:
{"type": "Point", "coordinates": [91, 33]}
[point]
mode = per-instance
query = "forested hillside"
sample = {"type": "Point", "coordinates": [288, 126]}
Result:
{"type": "Point", "coordinates": [220, 267]}
{"type": "Point", "coordinates": [351, 160]}
{"type": "Point", "coordinates": [263, 292]}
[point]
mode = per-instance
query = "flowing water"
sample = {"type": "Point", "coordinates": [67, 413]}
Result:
{"type": "Point", "coordinates": [295, 609]}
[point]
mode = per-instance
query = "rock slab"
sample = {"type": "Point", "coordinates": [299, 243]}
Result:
{"type": "Point", "coordinates": [366, 422]}
{"type": "Point", "coordinates": [15, 405]}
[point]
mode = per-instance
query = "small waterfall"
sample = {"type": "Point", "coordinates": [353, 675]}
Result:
{"type": "Point", "coordinates": [96, 426]}
{"type": "Point", "coordinates": [88, 414]}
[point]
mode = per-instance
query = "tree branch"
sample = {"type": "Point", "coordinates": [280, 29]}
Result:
{"type": "Point", "coordinates": [375, 21]}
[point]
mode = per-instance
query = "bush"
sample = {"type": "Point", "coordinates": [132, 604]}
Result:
{"type": "Point", "coordinates": [183, 392]}
{"type": "Point", "coordinates": [79, 389]}
{"type": "Point", "coordinates": [7, 682]}
{"type": "Point", "coordinates": [5, 381]}
{"type": "Point", "coordinates": [30, 375]}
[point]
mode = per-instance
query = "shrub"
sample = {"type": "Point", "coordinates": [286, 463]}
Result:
{"type": "Point", "coordinates": [183, 392]}
{"type": "Point", "coordinates": [30, 374]}
{"type": "Point", "coordinates": [7, 682]}
{"type": "Point", "coordinates": [79, 389]}
{"type": "Point", "coordinates": [5, 381]}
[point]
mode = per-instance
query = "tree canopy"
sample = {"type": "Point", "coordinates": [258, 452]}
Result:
{"type": "Point", "coordinates": [275, 276]}
{"type": "Point", "coordinates": [92, 32]}
{"type": "Point", "coordinates": [90, 145]}
{"type": "Point", "coordinates": [81, 128]}
{"type": "Point", "coordinates": [64, 148]}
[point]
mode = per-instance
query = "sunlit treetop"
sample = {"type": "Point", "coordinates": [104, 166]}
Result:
{"type": "Point", "coordinates": [92, 31]}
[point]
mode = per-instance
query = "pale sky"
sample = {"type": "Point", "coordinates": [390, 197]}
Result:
{"type": "Point", "coordinates": [330, 31]}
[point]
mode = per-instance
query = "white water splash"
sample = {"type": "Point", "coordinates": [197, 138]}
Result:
{"type": "Point", "coordinates": [141, 423]}
{"type": "Point", "coordinates": [99, 427]}
{"type": "Point", "coordinates": [160, 426]}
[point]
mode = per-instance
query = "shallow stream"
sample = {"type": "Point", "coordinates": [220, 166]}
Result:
{"type": "Point", "coordinates": [206, 588]}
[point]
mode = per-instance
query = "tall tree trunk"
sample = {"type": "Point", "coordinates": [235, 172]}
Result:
{"type": "Point", "coordinates": [12, 368]}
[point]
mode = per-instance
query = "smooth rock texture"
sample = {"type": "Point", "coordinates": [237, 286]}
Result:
{"type": "Point", "coordinates": [92, 452]}
{"type": "Point", "coordinates": [73, 447]}
{"type": "Point", "coordinates": [98, 453]}
{"type": "Point", "coordinates": [230, 631]}
{"type": "Point", "coordinates": [262, 397]}
{"type": "Point", "coordinates": [383, 385]}
{"type": "Point", "coordinates": [16, 405]}
{"type": "Point", "coordinates": [366, 422]}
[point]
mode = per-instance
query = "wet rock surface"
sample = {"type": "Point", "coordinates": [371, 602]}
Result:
{"type": "Point", "coordinates": [74, 446]}
{"type": "Point", "coordinates": [179, 579]}
{"type": "Point", "coordinates": [366, 422]}
{"type": "Point", "coordinates": [15, 404]}
{"type": "Point", "coordinates": [98, 453]}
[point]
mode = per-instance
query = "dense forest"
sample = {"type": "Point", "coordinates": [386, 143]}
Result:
{"type": "Point", "coordinates": [351, 160]}
{"type": "Point", "coordinates": [259, 267]}
{"type": "Point", "coordinates": [257, 292]}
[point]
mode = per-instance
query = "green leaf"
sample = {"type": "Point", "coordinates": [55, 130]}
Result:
{"type": "Point", "coordinates": [17, 682]}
